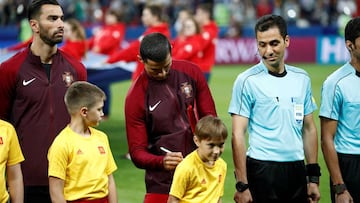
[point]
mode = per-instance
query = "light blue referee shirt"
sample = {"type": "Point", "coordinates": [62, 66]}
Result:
{"type": "Point", "coordinates": [275, 107]}
{"type": "Point", "coordinates": [340, 100]}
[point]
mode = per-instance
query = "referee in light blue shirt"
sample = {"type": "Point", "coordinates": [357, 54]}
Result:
{"type": "Point", "coordinates": [274, 102]}
{"type": "Point", "coordinates": [340, 122]}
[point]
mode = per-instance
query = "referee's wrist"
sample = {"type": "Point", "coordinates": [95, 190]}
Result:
{"type": "Point", "coordinates": [313, 169]}
{"type": "Point", "coordinates": [241, 186]}
{"type": "Point", "coordinates": [313, 179]}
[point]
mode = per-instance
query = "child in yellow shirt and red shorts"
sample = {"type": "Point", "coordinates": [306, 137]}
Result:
{"type": "Point", "coordinates": [80, 160]}
{"type": "Point", "coordinates": [200, 176]}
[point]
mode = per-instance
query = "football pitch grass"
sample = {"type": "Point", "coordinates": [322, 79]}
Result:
{"type": "Point", "coordinates": [130, 180]}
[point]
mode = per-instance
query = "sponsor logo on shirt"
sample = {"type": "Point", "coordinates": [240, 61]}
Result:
{"type": "Point", "coordinates": [152, 108]}
{"type": "Point", "coordinates": [1, 140]}
{"type": "Point", "coordinates": [101, 149]}
{"type": "Point", "coordinates": [27, 82]}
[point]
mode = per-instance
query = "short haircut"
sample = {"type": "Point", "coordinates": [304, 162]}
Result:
{"type": "Point", "coordinates": [82, 94]}
{"type": "Point", "coordinates": [266, 22]}
{"type": "Point", "coordinates": [210, 127]}
{"type": "Point", "coordinates": [352, 29]}
{"type": "Point", "coordinates": [34, 8]}
{"type": "Point", "coordinates": [155, 47]}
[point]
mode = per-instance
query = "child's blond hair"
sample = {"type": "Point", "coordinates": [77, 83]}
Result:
{"type": "Point", "coordinates": [210, 127]}
{"type": "Point", "coordinates": [82, 94]}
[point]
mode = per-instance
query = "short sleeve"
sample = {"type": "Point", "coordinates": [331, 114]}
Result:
{"type": "Point", "coordinates": [15, 154]}
{"type": "Point", "coordinates": [58, 158]}
{"type": "Point", "coordinates": [179, 183]}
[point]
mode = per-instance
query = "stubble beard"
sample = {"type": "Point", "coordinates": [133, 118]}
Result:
{"type": "Point", "coordinates": [50, 40]}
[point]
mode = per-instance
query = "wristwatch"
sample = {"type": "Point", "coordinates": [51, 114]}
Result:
{"type": "Point", "coordinates": [339, 188]}
{"type": "Point", "coordinates": [241, 186]}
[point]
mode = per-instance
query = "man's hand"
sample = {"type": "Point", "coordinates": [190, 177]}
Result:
{"type": "Point", "coordinates": [171, 160]}
{"type": "Point", "coordinates": [313, 192]}
{"type": "Point", "coordinates": [243, 197]}
{"type": "Point", "coordinates": [344, 198]}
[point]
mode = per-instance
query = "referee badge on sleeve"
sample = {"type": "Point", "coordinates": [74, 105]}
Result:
{"type": "Point", "coordinates": [299, 113]}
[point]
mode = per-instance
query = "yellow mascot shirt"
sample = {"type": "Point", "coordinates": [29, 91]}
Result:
{"type": "Point", "coordinates": [196, 182]}
{"type": "Point", "coordinates": [10, 154]}
{"type": "Point", "coordinates": [84, 163]}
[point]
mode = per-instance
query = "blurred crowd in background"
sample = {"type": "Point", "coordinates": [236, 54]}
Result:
{"type": "Point", "coordinates": [230, 13]}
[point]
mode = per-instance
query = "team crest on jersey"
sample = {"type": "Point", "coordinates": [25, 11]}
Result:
{"type": "Point", "coordinates": [186, 89]}
{"type": "Point", "coordinates": [68, 78]}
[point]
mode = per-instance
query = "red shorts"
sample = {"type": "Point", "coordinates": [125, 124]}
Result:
{"type": "Point", "coordinates": [156, 198]}
{"type": "Point", "coordinates": [102, 200]}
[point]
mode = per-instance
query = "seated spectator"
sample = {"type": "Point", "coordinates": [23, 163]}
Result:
{"type": "Point", "coordinates": [74, 39]}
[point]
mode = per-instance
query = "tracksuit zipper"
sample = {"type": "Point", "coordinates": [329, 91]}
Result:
{"type": "Point", "coordinates": [174, 97]}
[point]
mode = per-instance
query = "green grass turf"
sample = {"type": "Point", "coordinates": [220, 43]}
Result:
{"type": "Point", "coordinates": [130, 180]}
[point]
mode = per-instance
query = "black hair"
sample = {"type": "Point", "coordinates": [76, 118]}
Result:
{"type": "Point", "coordinates": [155, 46]}
{"type": "Point", "coordinates": [266, 22]}
{"type": "Point", "coordinates": [34, 7]}
{"type": "Point", "coordinates": [352, 29]}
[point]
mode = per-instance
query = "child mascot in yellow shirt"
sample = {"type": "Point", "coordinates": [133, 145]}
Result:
{"type": "Point", "coordinates": [10, 169]}
{"type": "Point", "coordinates": [200, 176]}
{"type": "Point", "coordinates": [80, 160]}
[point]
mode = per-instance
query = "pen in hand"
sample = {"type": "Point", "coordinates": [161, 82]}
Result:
{"type": "Point", "coordinates": [171, 159]}
{"type": "Point", "coordinates": [165, 150]}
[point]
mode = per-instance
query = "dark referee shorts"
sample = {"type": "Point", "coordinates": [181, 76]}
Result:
{"type": "Point", "coordinates": [350, 171]}
{"type": "Point", "coordinates": [279, 182]}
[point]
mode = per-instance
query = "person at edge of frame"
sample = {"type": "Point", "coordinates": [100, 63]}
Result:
{"type": "Point", "coordinates": [274, 102]}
